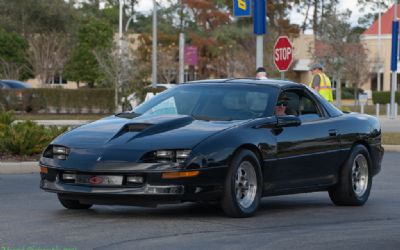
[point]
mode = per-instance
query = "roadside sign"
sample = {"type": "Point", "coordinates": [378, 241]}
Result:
{"type": "Point", "coordinates": [363, 98]}
{"type": "Point", "coordinates": [259, 17]}
{"type": "Point", "coordinates": [241, 8]}
{"type": "Point", "coordinates": [190, 54]}
{"type": "Point", "coordinates": [395, 35]}
{"type": "Point", "coordinates": [283, 53]}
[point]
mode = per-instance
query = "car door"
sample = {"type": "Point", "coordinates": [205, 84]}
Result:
{"type": "Point", "coordinates": [306, 153]}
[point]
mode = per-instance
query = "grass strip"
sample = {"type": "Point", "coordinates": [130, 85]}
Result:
{"type": "Point", "coordinates": [391, 138]}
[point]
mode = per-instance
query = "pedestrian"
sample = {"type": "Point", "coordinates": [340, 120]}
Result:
{"type": "Point", "coordinates": [321, 82]}
{"type": "Point", "coordinates": [261, 73]}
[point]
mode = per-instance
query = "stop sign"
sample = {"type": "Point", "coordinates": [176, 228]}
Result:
{"type": "Point", "coordinates": [283, 53]}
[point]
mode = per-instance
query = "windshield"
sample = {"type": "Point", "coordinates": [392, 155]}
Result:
{"type": "Point", "coordinates": [213, 102]}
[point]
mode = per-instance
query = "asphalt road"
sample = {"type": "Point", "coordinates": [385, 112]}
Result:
{"type": "Point", "coordinates": [33, 219]}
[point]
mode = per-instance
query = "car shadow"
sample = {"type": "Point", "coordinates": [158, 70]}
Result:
{"type": "Point", "coordinates": [268, 206]}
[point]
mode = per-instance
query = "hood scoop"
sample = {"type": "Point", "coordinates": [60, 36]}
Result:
{"type": "Point", "coordinates": [145, 129]}
{"type": "Point", "coordinates": [131, 128]}
{"type": "Point", "coordinates": [136, 127]}
{"type": "Point", "coordinates": [165, 126]}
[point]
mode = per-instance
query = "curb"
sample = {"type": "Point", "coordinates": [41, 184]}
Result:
{"type": "Point", "coordinates": [391, 148]}
{"type": "Point", "coordinates": [24, 167]}
{"type": "Point", "coordinates": [30, 167]}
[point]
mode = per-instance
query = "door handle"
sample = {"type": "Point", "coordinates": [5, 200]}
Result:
{"type": "Point", "coordinates": [332, 132]}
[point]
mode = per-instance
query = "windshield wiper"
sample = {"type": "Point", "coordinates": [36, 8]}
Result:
{"type": "Point", "coordinates": [128, 115]}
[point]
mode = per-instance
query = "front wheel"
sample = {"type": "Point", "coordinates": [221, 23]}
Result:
{"type": "Point", "coordinates": [355, 179]}
{"type": "Point", "coordinates": [243, 185]}
{"type": "Point", "coordinates": [73, 204]}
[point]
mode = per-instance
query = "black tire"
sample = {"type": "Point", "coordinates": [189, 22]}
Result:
{"type": "Point", "coordinates": [73, 204]}
{"type": "Point", "coordinates": [345, 192]}
{"type": "Point", "coordinates": [231, 205]}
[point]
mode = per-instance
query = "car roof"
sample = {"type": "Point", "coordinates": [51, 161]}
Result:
{"type": "Point", "coordinates": [281, 84]}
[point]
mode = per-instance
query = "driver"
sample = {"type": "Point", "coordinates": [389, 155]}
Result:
{"type": "Point", "coordinates": [281, 105]}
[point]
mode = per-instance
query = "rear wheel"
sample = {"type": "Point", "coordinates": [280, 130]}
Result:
{"type": "Point", "coordinates": [243, 185]}
{"type": "Point", "coordinates": [355, 179]}
{"type": "Point", "coordinates": [73, 204]}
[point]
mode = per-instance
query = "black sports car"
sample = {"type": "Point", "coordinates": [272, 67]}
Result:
{"type": "Point", "coordinates": [231, 141]}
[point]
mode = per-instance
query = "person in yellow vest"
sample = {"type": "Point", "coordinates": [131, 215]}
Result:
{"type": "Point", "coordinates": [321, 82]}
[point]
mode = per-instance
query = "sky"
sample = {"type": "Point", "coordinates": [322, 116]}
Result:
{"type": "Point", "coordinates": [147, 5]}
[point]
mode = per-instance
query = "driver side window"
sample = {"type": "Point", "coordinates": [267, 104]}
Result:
{"type": "Point", "coordinates": [302, 105]}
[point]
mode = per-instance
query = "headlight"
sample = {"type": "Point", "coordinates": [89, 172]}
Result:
{"type": "Point", "coordinates": [56, 152]}
{"type": "Point", "coordinates": [182, 155]}
{"type": "Point", "coordinates": [166, 156]}
{"type": "Point", "coordinates": [59, 150]}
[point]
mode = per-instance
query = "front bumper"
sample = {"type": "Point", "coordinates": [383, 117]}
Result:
{"type": "Point", "coordinates": [377, 152]}
{"type": "Point", "coordinates": [207, 185]}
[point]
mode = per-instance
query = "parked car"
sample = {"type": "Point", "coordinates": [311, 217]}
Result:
{"type": "Point", "coordinates": [13, 84]}
{"type": "Point", "coordinates": [14, 99]}
{"type": "Point", "coordinates": [217, 140]}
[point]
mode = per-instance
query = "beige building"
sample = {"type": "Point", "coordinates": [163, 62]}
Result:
{"type": "Point", "coordinates": [55, 83]}
{"type": "Point", "coordinates": [379, 52]}
{"type": "Point", "coordinates": [303, 49]}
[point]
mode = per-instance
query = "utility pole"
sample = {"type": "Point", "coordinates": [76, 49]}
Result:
{"type": "Point", "coordinates": [118, 83]}
{"type": "Point", "coordinates": [154, 55]}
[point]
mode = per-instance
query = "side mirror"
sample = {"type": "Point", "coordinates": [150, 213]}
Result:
{"type": "Point", "coordinates": [288, 121]}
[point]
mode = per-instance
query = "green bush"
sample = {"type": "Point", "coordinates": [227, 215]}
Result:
{"type": "Point", "coordinates": [24, 138]}
{"type": "Point", "coordinates": [347, 93]}
{"type": "Point", "coordinates": [58, 100]}
{"type": "Point", "coordinates": [383, 97]}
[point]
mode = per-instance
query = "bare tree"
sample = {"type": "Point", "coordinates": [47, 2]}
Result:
{"type": "Point", "coordinates": [116, 68]}
{"type": "Point", "coordinates": [167, 63]}
{"type": "Point", "coordinates": [332, 47]}
{"type": "Point", "coordinates": [47, 54]}
{"type": "Point", "coordinates": [357, 67]}
{"type": "Point", "coordinates": [10, 70]}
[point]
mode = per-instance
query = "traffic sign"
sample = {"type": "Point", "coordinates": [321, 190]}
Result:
{"type": "Point", "coordinates": [283, 53]}
{"type": "Point", "coordinates": [241, 8]}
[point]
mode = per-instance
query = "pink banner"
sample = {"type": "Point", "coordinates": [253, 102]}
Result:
{"type": "Point", "coordinates": [191, 55]}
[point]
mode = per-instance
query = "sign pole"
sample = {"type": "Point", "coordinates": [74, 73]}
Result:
{"type": "Point", "coordinates": [283, 75]}
{"type": "Point", "coordinates": [181, 57]}
{"type": "Point", "coordinates": [259, 51]}
{"type": "Point", "coordinates": [395, 33]}
{"type": "Point", "coordinates": [259, 27]}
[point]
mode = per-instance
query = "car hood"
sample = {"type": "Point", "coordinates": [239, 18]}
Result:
{"type": "Point", "coordinates": [117, 143]}
{"type": "Point", "coordinates": [143, 133]}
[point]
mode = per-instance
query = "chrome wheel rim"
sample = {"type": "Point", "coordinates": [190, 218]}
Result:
{"type": "Point", "coordinates": [360, 176]}
{"type": "Point", "coordinates": [245, 184]}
